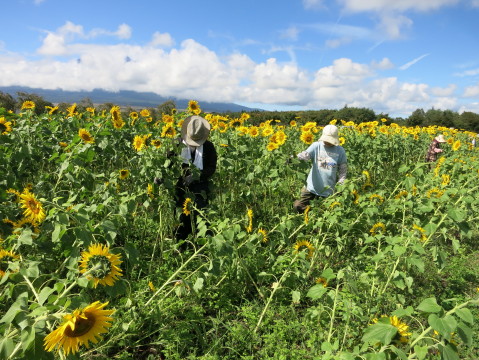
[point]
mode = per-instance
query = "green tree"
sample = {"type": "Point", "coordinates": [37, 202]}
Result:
{"type": "Point", "coordinates": [417, 118]}
{"type": "Point", "coordinates": [7, 101]}
{"type": "Point", "coordinates": [39, 101]}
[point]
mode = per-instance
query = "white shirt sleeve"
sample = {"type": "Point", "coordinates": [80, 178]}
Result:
{"type": "Point", "coordinates": [304, 156]}
{"type": "Point", "coordinates": [343, 171]}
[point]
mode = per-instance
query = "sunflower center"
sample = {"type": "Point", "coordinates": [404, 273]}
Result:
{"type": "Point", "coordinates": [3, 128]}
{"type": "Point", "coordinates": [82, 326]}
{"type": "Point", "coordinates": [100, 265]}
{"type": "Point", "coordinates": [33, 206]}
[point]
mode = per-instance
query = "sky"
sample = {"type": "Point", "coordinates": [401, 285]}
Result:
{"type": "Point", "coordinates": [391, 56]}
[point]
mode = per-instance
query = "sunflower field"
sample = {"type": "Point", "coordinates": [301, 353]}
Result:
{"type": "Point", "coordinates": [385, 268]}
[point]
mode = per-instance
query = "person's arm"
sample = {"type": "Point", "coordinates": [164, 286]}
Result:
{"type": "Point", "coordinates": [308, 153]}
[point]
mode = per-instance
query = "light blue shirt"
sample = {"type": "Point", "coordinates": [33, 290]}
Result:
{"type": "Point", "coordinates": [326, 160]}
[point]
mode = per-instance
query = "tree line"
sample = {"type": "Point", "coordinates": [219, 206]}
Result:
{"type": "Point", "coordinates": [465, 121]}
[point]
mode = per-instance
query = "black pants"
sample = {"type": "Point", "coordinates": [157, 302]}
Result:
{"type": "Point", "coordinates": [198, 192]}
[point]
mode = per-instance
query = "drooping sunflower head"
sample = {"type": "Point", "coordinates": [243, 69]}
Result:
{"type": "Point", "coordinates": [322, 281]}
{"type": "Point", "coordinates": [5, 126]}
{"type": "Point", "coordinates": [302, 245]}
{"type": "Point", "coordinates": [378, 227]}
{"type": "Point", "coordinates": [6, 257]}
{"type": "Point", "coordinates": [264, 235]}
{"type": "Point", "coordinates": [168, 131]}
{"type": "Point", "coordinates": [80, 327]}
{"type": "Point", "coordinates": [100, 265]}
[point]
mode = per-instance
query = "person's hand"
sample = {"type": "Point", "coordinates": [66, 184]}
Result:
{"type": "Point", "coordinates": [438, 150]}
{"type": "Point", "coordinates": [188, 179]}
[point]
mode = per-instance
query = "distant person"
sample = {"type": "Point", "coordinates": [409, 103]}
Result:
{"type": "Point", "coordinates": [329, 167]}
{"type": "Point", "coordinates": [199, 160]}
{"type": "Point", "coordinates": [435, 148]}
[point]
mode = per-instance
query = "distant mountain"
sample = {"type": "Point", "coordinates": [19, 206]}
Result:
{"type": "Point", "coordinates": [121, 98]}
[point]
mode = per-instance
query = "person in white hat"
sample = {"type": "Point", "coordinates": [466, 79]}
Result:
{"type": "Point", "coordinates": [435, 148]}
{"type": "Point", "coordinates": [329, 167]}
{"type": "Point", "coordinates": [199, 160]}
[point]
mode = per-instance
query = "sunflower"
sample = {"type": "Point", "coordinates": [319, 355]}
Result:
{"type": "Point", "coordinates": [134, 115]}
{"type": "Point", "coordinates": [401, 327]}
{"type": "Point", "coordinates": [249, 213]}
{"type": "Point", "coordinates": [100, 265]}
{"type": "Point", "coordinates": [28, 105]}
{"type": "Point", "coordinates": [193, 107]}
{"type": "Point", "coordinates": [168, 119]}
{"type": "Point", "coordinates": [186, 207]}
{"type": "Point", "coordinates": [272, 146]}
{"type": "Point", "coordinates": [322, 281]}
{"type": "Point", "coordinates": [6, 257]}
{"type": "Point", "coordinates": [116, 118]}
{"type": "Point", "coordinates": [253, 131]}
{"type": "Point", "coordinates": [139, 142]}
{"type": "Point", "coordinates": [377, 197]}
{"type": "Point", "coordinates": [293, 123]}
{"type": "Point", "coordinates": [85, 135]}
{"type": "Point", "coordinates": [378, 227]}
{"type": "Point", "coordinates": [124, 174]}
{"type": "Point", "coordinates": [421, 231]}
{"type": "Point", "coordinates": [300, 245]}
{"type": "Point", "coordinates": [342, 140]}
{"type": "Point", "coordinates": [333, 204]}
{"type": "Point", "coordinates": [156, 143]}
{"type": "Point", "coordinates": [456, 145]}
{"type": "Point", "coordinates": [356, 196]}
{"type": "Point", "coordinates": [264, 235]}
{"type": "Point", "coordinates": [168, 131]}
{"type": "Point", "coordinates": [267, 131]}
{"type": "Point", "coordinates": [5, 126]}
{"type": "Point", "coordinates": [446, 179]}
{"type": "Point", "coordinates": [149, 191]}
{"type": "Point", "coordinates": [145, 112]}
{"type": "Point", "coordinates": [79, 328]}
{"type": "Point", "coordinates": [307, 137]}
{"type": "Point", "coordinates": [306, 214]}
{"type": "Point", "coordinates": [33, 208]}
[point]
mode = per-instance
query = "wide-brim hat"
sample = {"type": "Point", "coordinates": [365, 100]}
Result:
{"type": "Point", "coordinates": [330, 135]}
{"type": "Point", "coordinates": [195, 130]}
{"type": "Point", "coordinates": [440, 139]}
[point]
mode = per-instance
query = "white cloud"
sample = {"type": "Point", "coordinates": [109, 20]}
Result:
{"type": "Point", "coordinates": [313, 4]}
{"type": "Point", "coordinates": [290, 33]}
{"type": "Point", "coordinates": [472, 72]}
{"type": "Point", "coordinates": [395, 5]}
{"type": "Point", "coordinates": [444, 92]}
{"type": "Point", "coordinates": [192, 71]}
{"type": "Point", "coordinates": [471, 91]}
{"type": "Point", "coordinates": [393, 25]}
{"type": "Point", "coordinates": [162, 40]}
{"type": "Point", "coordinates": [412, 62]}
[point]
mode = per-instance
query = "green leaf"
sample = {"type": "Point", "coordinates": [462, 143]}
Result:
{"type": "Point", "coordinates": [448, 352]}
{"type": "Point", "coordinates": [421, 352]}
{"type": "Point", "coordinates": [296, 296]}
{"type": "Point", "coordinates": [457, 214]}
{"type": "Point", "coordinates": [316, 292]}
{"type": "Point", "coordinates": [417, 262]}
{"type": "Point", "coordinates": [429, 306]}
{"type": "Point", "coordinates": [25, 237]}
{"type": "Point", "coordinates": [198, 284]}
{"type": "Point", "coordinates": [379, 332]}
{"type": "Point", "coordinates": [466, 315]}
{"type": "Point", "coordinates": [465, 333]}
{"type": "Point", "coordinates": [328, 274]}
{"type": "Point", "coordinates": [44, 294]}
{"type": "Point", "coordinates": [27, 337]}
{"type": "Point", "coordinates": [445, 326]}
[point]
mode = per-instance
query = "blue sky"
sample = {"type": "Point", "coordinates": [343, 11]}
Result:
{"type": "Point", "coordinates": [390, 56]}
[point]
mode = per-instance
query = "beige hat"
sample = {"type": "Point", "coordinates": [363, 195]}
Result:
{"type": "Point", "coordinates": [195, 130]}
{"type": "Point", "coordinates": [330, 135]}
{"type": "Point", "coordinates": [440, 138]}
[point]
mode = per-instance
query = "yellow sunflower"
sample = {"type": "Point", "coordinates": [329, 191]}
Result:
{"type": "Point", "coordinates": [193, 107]}
{"type": "Point", "coordinates": [139, 142]}
{"type": "Point", "coordinates": [168, 131]}
{"type": "Point", "coordinates": [322, 281]}
{"type": "Point", "coordinates": [378, 227]}
{"type": "Point", "coordinates": [302, 244]}
{"type": "Point", "coordinates": [124, 173]}
{"type": "Point", "coordinates": [28, 105]}
{"type": "Point", "coordinates": [5, 126]}
{"type": "Point", "coordinates": [272, 146]}
{"type": "Point", "coordinates": [306, 214]}
{"type": "Point", "coordinates": [6, 257]}
{"type": "Point", "coordinates": [307, 137]}
{"type": "Point", "coordinates": [33, 208]}
{"type": "Point", "coordinates": [134, 115]}
{"type": "Point", "coordinates": [186, 207]}
{"type": "Point", "coordinates": [80, 327]}
{"type": "Point", "coordinates": [85, 135]}
{"type": "Point", "coordinates": [456, 145]}
{"type": "Point", "coordinates": [264, 234]}
{"type": "Point", "coordinates": [116, 118]}
{"type": "Point", "coordinates": [402, 327]}
{"type": "Point", "coordinates": [253, 131]}
{"type": "Point", "coordinates": [100, 265]}
{"type": "Point", "coordinates": [145, 112]}
{"type": "Point", "coordinates": [249, 213]}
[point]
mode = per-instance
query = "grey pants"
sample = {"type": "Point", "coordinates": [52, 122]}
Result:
{"type": "Point", "coordinates": [305, 199]}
